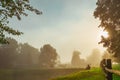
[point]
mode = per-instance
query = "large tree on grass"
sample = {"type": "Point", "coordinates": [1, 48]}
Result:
{"type": "Point", "coordinates": [108, 12]}
{"type": "Point", "coordinates": [10, 9]}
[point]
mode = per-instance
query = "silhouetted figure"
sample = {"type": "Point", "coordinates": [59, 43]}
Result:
{"type": "Point", "coordinates": [88, 67]}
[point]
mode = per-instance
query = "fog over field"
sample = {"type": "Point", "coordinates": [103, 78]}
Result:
{"type": "Point", "coordinates": [59, 39]}
{"type": "Point", "coordinates": [67, 25]}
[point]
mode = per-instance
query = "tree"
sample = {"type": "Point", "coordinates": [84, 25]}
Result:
{"type": "Point", "coordinates": [94, 58]}
{"type": "Point", "coordinates": [48, 56]}
{"type": "Point", "coordinates": [106, 55]}
{"type": "Point", "coordinates": [76, 60]}
{"type": "Point", "coordinates": [108, 11]}
{"type": "Point", "coordinates": [8, 54]}
{"type": "Point", "coordinates": [10, 9]}
{"type": "Point", "coordinates": [14, 55]}
{"type": "Point", "coordinates": [28, 55]}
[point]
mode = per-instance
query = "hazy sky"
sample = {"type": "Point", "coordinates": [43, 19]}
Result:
{"type": "Point", "coordinates": [67, 25]}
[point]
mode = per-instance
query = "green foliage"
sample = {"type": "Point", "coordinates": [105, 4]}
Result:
{"type": "Point", "coordinates": [108, 12]}
{"type": "Point", "coordinates": [10, 9]}
{"type": "Point", "coordinates": [94, 74]}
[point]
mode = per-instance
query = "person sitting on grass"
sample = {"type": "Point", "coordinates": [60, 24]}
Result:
{"type": "Point", "coordinates": [88, 67]}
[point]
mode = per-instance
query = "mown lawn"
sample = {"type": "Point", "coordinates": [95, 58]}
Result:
{"type": "Point", "coordinates": [93, 74]}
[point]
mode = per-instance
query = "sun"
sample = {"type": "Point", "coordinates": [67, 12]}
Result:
{"type": "Point", "coordinates": [104, 34]}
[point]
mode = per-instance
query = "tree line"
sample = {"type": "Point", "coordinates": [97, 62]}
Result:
{"type": "Point", "coordinates": [23, 55]}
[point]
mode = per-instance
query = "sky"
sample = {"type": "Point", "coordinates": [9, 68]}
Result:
{"type": "Point", "coordinates": [67, 25]}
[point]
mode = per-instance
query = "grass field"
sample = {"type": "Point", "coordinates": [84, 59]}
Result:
{"type": "Point", "coordinates": [116, 67]}
{"type": "Point", "coordinates": [93, 74]}
{"type": "Point", "coordinates": [51, 74]}
{"type": "Point", "coordinates": [34, 74]}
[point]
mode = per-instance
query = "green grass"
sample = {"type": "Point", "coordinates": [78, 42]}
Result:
{"type": "Point", "coordinates": [6, 74]}
{"type": "Point", "coordinates": [116, 67]}
{"type": "Point", "coordinates": [93, 74]}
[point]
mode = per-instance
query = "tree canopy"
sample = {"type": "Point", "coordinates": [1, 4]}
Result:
{"type": "Point", "coordinates": [48, 56]}
{"type": "Point", "coordinates": [94, 58]}
{"type": "Point", "coordinates": [108, 12]}
{"type": "Point", "coordinates": [18, 55]}
{"type": "Point", "coordinates": [75, 58]}
{"type": "Point", "coordinates": [10, 9]}
{"type": "Point", "coordinates": [8, 53]}
{"type": "Point", "coordinates": [77, 61]}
